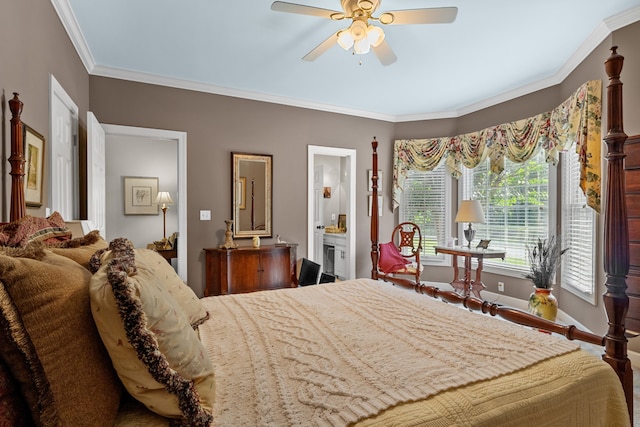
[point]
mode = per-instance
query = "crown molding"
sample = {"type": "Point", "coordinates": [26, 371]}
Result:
{"type": "Point", "coordinates": [70, 24]}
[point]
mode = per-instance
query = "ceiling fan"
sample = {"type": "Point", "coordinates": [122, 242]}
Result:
{"type": "Point", "coordinates": [361, 35]}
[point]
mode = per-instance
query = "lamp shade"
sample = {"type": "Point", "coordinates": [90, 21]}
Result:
{"type": "Point", "coordinates": [470, 211]}
{"type": "Point", "coordinates": [163, 198]}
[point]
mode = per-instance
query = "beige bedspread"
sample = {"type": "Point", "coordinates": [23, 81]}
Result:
{"type": "Point", "coordinates": [337, 354]}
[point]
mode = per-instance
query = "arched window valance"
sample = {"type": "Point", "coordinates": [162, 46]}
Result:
{"type": "Point", "coordinates": [578, 119]}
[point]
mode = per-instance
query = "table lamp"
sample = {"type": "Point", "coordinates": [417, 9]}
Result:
{"type": "Point", "coordinates": [164, 198]}
{"type": "Point", "coordinates": [470, 211]}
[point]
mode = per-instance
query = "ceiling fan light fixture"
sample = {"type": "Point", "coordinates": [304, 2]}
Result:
{"type": "Point", "coordinates": [345, 40]}
{"type": "Point", "coordinates": [362, 46]}
{"type": "Point", "coordinates": [358, 30]}
{"type": "Point", "coordinates": [375, 35]}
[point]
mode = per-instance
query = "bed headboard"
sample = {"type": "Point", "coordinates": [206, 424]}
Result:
{"type": "Point", "coordinates": [616, 249]}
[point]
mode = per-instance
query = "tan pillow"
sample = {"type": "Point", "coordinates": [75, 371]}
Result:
{"type": "Point", "coordinates": [154, 348]}
{"type": "Point", "coordinates": [55, 351]}
{"type": "Point", "coordinates": [80, 249]}
{"type": "Point", "coordinates": [152, 267]}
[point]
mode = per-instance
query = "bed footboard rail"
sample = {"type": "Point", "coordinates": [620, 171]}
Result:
{"type": "Point", "coordinates": [514, 315]}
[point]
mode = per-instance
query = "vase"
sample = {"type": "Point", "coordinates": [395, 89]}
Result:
{"type": "Point", "coordinates": [256, 241]}
{"type": "Point", "coordinates": [543, 304]}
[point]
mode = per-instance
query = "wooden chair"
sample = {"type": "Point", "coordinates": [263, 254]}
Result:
{"type": "Point", "coordinates": [400, 258]}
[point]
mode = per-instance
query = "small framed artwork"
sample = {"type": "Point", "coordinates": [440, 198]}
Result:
{"type": "Point", "coordinates": [484, 244]}
{"type": "Point", "coordinates": [379, 204]}
{"type": "Point", "coordinates": [326, 192]}
{"type": "Point", "coordinates": [139, 195]}
{"type": "Point", "coordinates": [370, 184]}
{"type": "Point", "coordinates": [34, 167]}
{"type": "Point", "coordinates": [342, 222]}
{"type": "Point", "coordinates": [242, 192]}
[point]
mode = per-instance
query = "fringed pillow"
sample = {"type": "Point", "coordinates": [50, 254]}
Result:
{"type": "Point", "coordinates": [150, 338]}
{"type": "Point", "coordinates": [32, 229]}
{"type": "Point", "coordinates": [13, 407]}
{"type": "Point", "coordinates": [50, 342]}
{"type": "Point", "coordinates": [80, 249]}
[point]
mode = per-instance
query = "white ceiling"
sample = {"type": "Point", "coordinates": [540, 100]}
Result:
{"type": "Point", "coordinates": [495, 50]}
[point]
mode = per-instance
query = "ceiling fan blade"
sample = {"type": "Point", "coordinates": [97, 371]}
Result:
{"type": "Point", "coordinates": [321, 48]}
{"type": "Point", "coordinates": [437, 15]}
{"type": "Point", "coordinates": [281, 6]}
{"type": "Point", "coordinates": [385, 53]}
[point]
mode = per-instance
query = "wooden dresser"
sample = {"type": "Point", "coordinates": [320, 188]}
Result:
{"type": "Point", "coordinates": [248, 269]}
{"type": "Point", "coordinates": [632, 180]}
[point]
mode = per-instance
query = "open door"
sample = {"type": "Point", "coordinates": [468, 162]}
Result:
{"type": "Point", "coordinates": [318, 226]}
{"type": "Point", "coordinates": [96, 181]}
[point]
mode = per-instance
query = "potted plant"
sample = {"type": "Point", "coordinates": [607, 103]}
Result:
{"type": "Point", "coordinates": [544, 258]}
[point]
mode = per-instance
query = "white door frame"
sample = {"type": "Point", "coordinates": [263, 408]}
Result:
{"type": "Point", "coordinates": [351, 199]}
{"type": "Point", "coordinates": [181, 139]}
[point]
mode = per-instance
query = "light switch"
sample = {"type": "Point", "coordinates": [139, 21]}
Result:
{"type": "Point", "coordinates": [205, 215]}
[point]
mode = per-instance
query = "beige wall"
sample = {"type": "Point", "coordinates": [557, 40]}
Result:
{"type": "Point", "coordinates": [30, 51]}
{"type": "Point", "coordinates": [217, 125]}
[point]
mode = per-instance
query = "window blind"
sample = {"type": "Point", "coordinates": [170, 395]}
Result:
{"type": "Point", "coordinates": [578, 226]}
{"type": "Point", "coordinates": [425, 201]}
{"type": "Point", "coordinates": [515, 204]}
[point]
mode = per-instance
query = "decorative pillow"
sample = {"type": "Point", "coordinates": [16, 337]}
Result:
{"type": "Point", "coordinates": [80, 249]}
{"type": "Point", "coordinates": [153, 347]}
{"type": "Point", "coordinates": [13, 408]}
{"type": "Point", "coordinates": [390, 260]}
{"type": "Point", "coordinates": [152, 267]}
{"type": "Point", "coordinates": [55, 351]}
{"type": "Point", "coordinates": [31, 229]}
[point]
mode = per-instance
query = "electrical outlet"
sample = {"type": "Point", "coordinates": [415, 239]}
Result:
{"type": "Point", "coordinates": [500, 286]}
{"type": "Point", "coordinates": [205, 215]}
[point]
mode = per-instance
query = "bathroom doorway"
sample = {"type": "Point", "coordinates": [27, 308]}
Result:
{"type": "Point", "coordinates": [343, 189]}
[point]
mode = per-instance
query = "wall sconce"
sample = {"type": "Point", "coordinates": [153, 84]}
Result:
{"type": "Point", "coordinates": [164, 198]}
{"type": "Point", "coordinates": [470, 211]}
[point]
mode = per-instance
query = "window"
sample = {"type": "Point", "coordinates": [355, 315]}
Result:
{"type": "Point", "coordinates": [578, 232]}
{"type": "Point", "coordinates": [516, 205]}
{"type": "Point", "coordinates": [426, 201]}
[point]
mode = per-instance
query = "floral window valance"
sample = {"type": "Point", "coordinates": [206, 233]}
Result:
{"type": "Point", "coordinates": [578, 119]}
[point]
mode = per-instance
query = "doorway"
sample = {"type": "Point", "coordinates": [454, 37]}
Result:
{"type": "Point", "coordinates": [114, 186]}
{"type": "Point", "coordinates": [63, 165]}
{"type": "Point", "coordinates": [315, 194]}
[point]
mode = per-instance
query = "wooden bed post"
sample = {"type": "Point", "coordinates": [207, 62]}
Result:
{"type": "Point", "coordinates": [616, 233]}
{"type": "Point", "coordinates": [16, 160]}
{"type": "Point", "coordinates": [374, 211]}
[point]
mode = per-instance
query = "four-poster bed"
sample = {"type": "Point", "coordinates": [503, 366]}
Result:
{"type": "Point", "coordinates": [364, 353]}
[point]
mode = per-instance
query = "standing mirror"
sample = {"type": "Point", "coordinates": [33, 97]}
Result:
{"type": "Point", "coordinates": [251, 194]}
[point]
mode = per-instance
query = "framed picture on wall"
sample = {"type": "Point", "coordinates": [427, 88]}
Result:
{"type": "Point", "coordinates": [34, 167]}
{"type": "Point", "coordinates": [370, 184]}
{"type": "Point", "coordinates": [139, 195]}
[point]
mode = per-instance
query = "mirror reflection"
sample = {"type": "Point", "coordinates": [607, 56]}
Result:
{"type": "Point", "coordinates": [251, 195]}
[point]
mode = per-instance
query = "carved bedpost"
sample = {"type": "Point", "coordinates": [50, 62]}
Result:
{"type": "Point", "coordinates": [374, 211]}
{"type": "Point", "coordinates": [16, 160]}
{"type": "Point", "coordinates": [616, 233]}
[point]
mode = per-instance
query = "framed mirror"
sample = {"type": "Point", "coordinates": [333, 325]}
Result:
{"type": "Point", "coordinates": [251, 194]}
